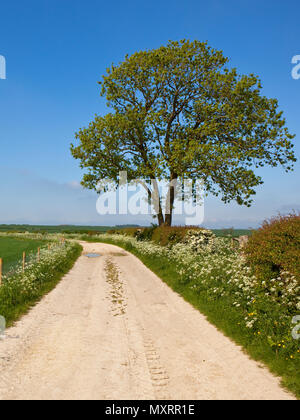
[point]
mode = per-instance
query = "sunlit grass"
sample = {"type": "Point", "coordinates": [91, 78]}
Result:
{"type": "Point", "coordinates": [20, 290]}
{"type": "Point", "coordinates": [11, 250]}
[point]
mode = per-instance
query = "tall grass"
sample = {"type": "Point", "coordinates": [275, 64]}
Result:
{"type": "Point", "coordinates": [20, 291]}
{"type": "Point", "coordinates": [12, 248]}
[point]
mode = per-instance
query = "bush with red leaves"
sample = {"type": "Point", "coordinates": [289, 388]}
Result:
{"type": "Point", "coordinates": [275, 247]}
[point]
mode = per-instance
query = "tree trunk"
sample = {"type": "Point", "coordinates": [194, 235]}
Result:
{"type": "Point", "coordinates": [170, 201]}
{"type": "Point", "coordinates": [156, 201]}
{"type": "Point", "coordinates": [168, 219]}
{"type": "Point", "coordinates": [160, 218]}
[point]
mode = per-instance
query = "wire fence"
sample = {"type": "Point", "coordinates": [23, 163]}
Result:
{"type": "Point", "coordinates": [27, 259]}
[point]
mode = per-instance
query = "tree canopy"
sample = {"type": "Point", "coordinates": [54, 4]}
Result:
{"type": "Point", "coordinates": [179, 112]}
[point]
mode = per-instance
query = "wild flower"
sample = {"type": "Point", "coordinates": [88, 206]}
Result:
{"type": "Point", "coordinates": [19, 287]}
{"type": "Point", "coordinates": [212, 267]}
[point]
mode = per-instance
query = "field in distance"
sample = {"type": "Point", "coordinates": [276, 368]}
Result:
{"type": "Point", "coordinates": [11, 250]}
{"type": "Point", "coordinates": [101, 229]}
{"type": "Point", "coordinates": [234, 233]}
{"type": "Point", "coordinates": [58, 228]}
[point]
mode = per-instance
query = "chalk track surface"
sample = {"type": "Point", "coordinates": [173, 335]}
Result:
{"type": "Point", "coordinates": [113, 330]}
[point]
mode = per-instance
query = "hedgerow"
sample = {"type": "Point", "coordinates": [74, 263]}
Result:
{"type": "Point", "coordinates": [274, 249]}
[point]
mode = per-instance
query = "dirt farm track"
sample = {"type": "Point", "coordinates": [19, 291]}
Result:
{"type": "Point", "coordinates": [113, 330]}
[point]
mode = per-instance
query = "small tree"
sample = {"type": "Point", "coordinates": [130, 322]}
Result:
{"type": "Point", "coordinates": [179, 113]}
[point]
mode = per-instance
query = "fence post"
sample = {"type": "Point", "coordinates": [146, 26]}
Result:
{"type": "Point", "coordinates": [38, 255]}
{"type": "Point", "coordinates": [0, 271]}
{"type": "Point", "coordinates": [24, 261]}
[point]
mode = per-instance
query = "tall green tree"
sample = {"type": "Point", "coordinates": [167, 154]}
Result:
{"type": "Point", "coordinates": [179, 112]}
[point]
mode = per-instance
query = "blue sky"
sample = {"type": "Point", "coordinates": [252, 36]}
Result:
{"type": "Point", "coordinates": [57, 50]}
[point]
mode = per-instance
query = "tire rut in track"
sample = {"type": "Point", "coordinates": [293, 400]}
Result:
{"type": "Point", "coordinates": [157, 373]}
{"type": "Point", "coordinates": [116, 292]}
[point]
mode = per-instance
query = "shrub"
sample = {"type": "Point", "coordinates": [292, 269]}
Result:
{"type": "Point", "coordinates": [128, 231]}
{"type": "Point", "coordinates": [274, 249]}
{"type": "Point", "coordinates": [145, 234]}
{"type": "Point", "coordinates": [167, 235]}
{"type": "Point", "coordinates": [112, 231]}
{"type": "Point", "coordinates": [199, 238]}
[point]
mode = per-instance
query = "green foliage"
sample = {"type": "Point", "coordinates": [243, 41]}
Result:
{"type": "Point", "coordinates": [178, 112]}
{"type": "Point", "coordinates": [21, 290]}
{"type": "Point", "coordinates": [232, 233]}
{"type": "Point", "coordinates": [42, 229]}
{"type": "Point", "coordinates": [168, 235]}
{"type": "Point", "coordinates": [275, 248]}
{"type": "Point", "coordinates": [144, 234]}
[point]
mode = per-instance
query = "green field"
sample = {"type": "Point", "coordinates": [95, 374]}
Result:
{"type": "Point", "coordinates": [232, 232]}
{"type": "Point", "coordinates": [56, 229]}
{"type": "Point", "coordinates": [11, 250]}
{"type": "Point", "coordinates": [96, 229]}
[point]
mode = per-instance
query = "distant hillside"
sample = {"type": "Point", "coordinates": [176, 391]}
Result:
{"type": "Point", "coordinates": [86, 229]}
{"type": "Point", "coordinates": [53, 229]}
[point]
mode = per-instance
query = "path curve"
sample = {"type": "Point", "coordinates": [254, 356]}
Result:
{"type": "Point", "coordinates": [113, 330]}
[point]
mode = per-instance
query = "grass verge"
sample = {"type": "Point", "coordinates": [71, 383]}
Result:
{"type": "Point", "coordinates": [21, 291]}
